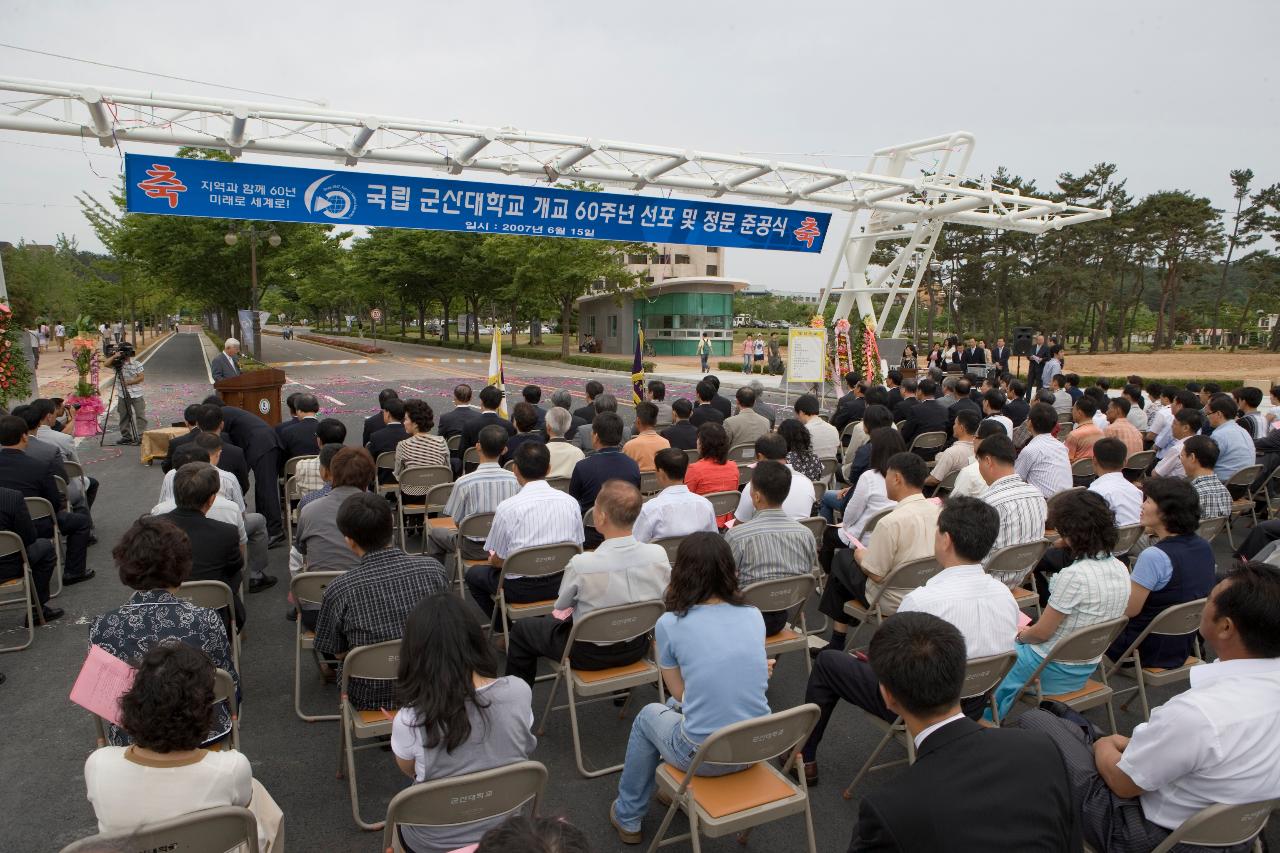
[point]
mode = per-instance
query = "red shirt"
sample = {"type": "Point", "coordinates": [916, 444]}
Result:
{"type": "Point", "coordinates": [706, 476]}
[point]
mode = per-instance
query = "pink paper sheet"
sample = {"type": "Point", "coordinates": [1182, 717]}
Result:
{"type": "Point", "coordinates": [103, 679]}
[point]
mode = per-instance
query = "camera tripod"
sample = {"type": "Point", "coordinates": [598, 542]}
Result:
{"type": "Point", "coordinates": [128, 418]}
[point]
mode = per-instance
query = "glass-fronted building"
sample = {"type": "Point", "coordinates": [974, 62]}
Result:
{"type": "Point", "coordinates": [674, 313]}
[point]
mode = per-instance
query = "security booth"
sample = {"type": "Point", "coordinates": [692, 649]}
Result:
{"type": "Point", "coordinates": [674, 314]}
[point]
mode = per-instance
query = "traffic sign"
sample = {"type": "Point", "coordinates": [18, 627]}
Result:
{"type": "Point", "coordinates": [376, 314]}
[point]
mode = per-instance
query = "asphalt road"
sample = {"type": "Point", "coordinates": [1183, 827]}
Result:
{"type": "Point", "coordinates": [46, 738]}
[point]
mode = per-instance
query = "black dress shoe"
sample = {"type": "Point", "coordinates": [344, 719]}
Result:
{"type": "Point", "coordinates": [275, 541]}
{"type": "Point", "coordinates": [50, 614]}
{"type": "Point", "coordinates": [264, 582]}
{"type": "Point", "coordinates": [72, 580]}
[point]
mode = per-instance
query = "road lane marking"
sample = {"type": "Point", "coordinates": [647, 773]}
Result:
{"type": "Point", "coordinates": [414, 390]}
{"type": "Point", "coordinates": [333, 400]}
{"type": "Point", "coordinates": [311, 363]}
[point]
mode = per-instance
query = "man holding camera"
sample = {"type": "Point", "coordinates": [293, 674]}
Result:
{"type": "Point", "coordinates": [130, 377]}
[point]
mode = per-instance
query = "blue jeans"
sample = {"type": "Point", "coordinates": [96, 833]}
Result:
{"type": "Point", "coordinates": [831, 501]}
{"type": "Point", "coordinates": [1055, 678]}
{"type": "Point", "coordinates": [746, 364]}
{"type": "Point", "coordinates": [704, 356]}
{"type": "Point", "coordinates": [657, 735]}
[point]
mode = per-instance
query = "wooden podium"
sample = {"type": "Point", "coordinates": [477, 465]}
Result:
{"type": "Point", "coordinates": [256, 391]}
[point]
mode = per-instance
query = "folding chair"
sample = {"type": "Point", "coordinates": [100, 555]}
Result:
{"type": "Point", "coordinates": [671, 545]}
{"type": "Point", "coordinates": [608, 625]}
{"type": "Point", "coordinates": [291, 464]}
{"type": "Point", "coordinates": [819, 490]}
{"type": "Point", "coordinates": [536, 562]}
{"type": "Point", "coordinates": [817, 526]}
{"type": "Point", "coordinates": [745, 452]}
{"type": "Point", "coordinates": [847, 432]}
{"type": "Point", "coordinates": [981, 677]}
{"type": "Point", "coordinates": [457, 800]}
{"type": "Point", "coordinates": [946, 484]}
{"type": "Point", "coordinates": [902, 578]}
{"type": "Point", "coordinates": [1176, 621]}
{"type": "Point", "coordinates": [74, 470]}
{"type": "Point", "coordinates": [1082, 472]}
{"type": "Point", "coordinates": [379, 662]}
{"type": "Point", "coordinates": [215, 595]}
{"type": "Point", "coordinates": [219, 828]}
{"type": "Point", "coordinates": [224, 690]}
{"type": "Point", "coordinates": [1127, 536]}
{"type": "Point", "coordinates": [1083, 645]}
{"type": "Point", "coordinates": [509, 466]}
{"type": "Point", "coordinates": [928, 441]}
{"type": "Point", "coordinates": [649, 483]}
{"type": "Point", "coordinates": [39, 508]}
{"type": "Point", "coordinates": [470, 459]}
{"type": "Point", "coordinates": [723, 503]}
{"type": "Point", "coordinates": [694, 455]}
{"type": "Point", "coordinates": [1210, 527]}
{"type": "Point", "coordinates": [1064, 430]}
{"type": "Point", "coordinates": [1247, 505]}
{"type": "Point", "coordinates": [1135, 467]}
{"type": "Point", "coordinates": [473, 527]}
{"type": "Point", "coordinates": [784, 594]}
{"type": "Point", "coordinates": [1271, 493]}
{"type": "Point", "coordinates": [306, 588]}
{"type": "Point", "coordinates": [744, 473]}
{"type": "Point", "coordinates": [19, 591]}
{"type": "Point", "coordinates": [1222, 825]}
{"type": "Point", "coordinates": [870, 526]}
{"type": "Point", "coordinates": [829, 467]}
{"type": "Point", "coordinates": [560, 484]}
{"type": "Point", "coordinates": [292, 492]}
{"type": "Point", "coordinates": [419, 477]}
{"type": "Point", "coordinates": [386, 461]}
{"type": "Point", "coordinates": [1018, 560]}
{"type": "Point", "coordinates": [454, 442]}
{"type": "Point", "coordinates": [736, 802]}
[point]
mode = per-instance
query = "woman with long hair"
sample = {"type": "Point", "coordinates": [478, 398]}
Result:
{"type": "Point", "coordinates": [909, 357]}
{"type": "Point", "coordinates": [456, 715]}
{"type": "Point", "coordinates": [713, 472]}
{"type": "Point", "coordinates": [800, 455]}
{"type": "Point", "coordinates": [711, 653]}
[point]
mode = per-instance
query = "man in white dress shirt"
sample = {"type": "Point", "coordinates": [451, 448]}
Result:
{"type": "Point", "coordinates": [1124, 498]}
{"type": "Point", "coordinates": [799, 502]}
{"type": "Point", "coordinates": [1213, 743]}
{"type": "Point", "coordinates": [1043, 463]}
{"type": "Point", "coordinates": [826, 438]}
{"type": "Point", "coordinates": [978, 605]}
{"type": "Point", "coordinates": [674, 511]}
{"type": "Point", "coordinates": [969, 482]}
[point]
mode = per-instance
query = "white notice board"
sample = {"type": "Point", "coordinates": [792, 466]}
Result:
{"type": "Point", "coordinates": [806, 355]}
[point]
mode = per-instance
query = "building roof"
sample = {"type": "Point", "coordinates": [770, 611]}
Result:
{"type": "Point", "coordinates": [657, 288]}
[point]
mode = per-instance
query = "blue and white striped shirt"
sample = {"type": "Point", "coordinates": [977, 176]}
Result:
{"type": "Point", "coordinates": [480, 491]}
{"type": "Point", "coordinates": [536, 515]}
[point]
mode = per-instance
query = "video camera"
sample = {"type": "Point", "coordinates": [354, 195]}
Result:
{"type": "Point", "coordinates": [112, 349]}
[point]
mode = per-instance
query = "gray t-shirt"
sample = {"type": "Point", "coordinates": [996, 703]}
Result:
{"type": "Point", "coordinates": [501, 734]}
{"type": "Point", "coordinates": [317, 535]}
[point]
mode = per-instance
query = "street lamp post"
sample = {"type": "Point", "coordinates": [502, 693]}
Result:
{"type": "Point", "coordinates": [273, 240]}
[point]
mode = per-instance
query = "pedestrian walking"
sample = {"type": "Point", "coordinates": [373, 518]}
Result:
{"type": "Point", "coordinates": [704, 350]}
{"type": "Point", "coordinates": [748, 352]}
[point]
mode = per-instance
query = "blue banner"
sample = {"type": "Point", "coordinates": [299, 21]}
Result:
{"type": "Point", "coordinates": [175, 186]}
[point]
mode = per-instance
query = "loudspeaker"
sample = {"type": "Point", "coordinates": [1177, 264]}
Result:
{"type": "Point", "coordinates": [1023, 339]}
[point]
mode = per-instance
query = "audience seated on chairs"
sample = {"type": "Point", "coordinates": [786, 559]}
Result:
{"type": "Point", "coordinates": [1022, 509]}
{"type": "Point", "coordinates": [208, 418]}
{"type": "Point", "coordinates": [154, 559]}
{"type": "Point", "coordinates": [536, 515]}
{"type": "Point", "coordinates": [164, 773]}
{"type": "Point", "coordinates": [799, 499]}
{"type": "Point", "coordinates": [960, 453]}
{"type": "Point", "coordinates": [1186, 423]}
{"type": "Point", "coordinates": [562, 399]}
{"type": "Point", "coordinates": [1214, 743]}
{"type": "Point", "coordinates": [41, 556]}
{"type": "Point", "coordinates": [674, 511]}
{"type": "Point", "coordinates": [1179, 400]}
{"type": "Point", "coordinates": [620, 571]}
{"type": "Point", "coordinates": [480, 491]}
{"type": "Point", "coordinates": [905, 534]}
{"type": "Point", "coordinates": [772, 544]}
{"type": "Point", "coordinates": [291, 403]}
{"type": "Point", "coordinates": [369, 603]}
{"type": "Point", "coordinates": [857, 456]}
{"type": "Point", "coordinates": [602, 403]}
{"type": "Point", "coordinates": [216, 549]}
{"type": "Point", "coordinates": [928, 415]}
{"type": "Point", "coordinates": [1199, 455]}
{"type": "Point", "coordinates": [525, 419]}
{"type": "Point", "coordinates": [317, 540]}
{"type": "Point", "coordinates": [307, 472]}
{"type": "Point", "coordinates": [532, 395]}
{"type": "Point", "coordinates": [1093, 587]}
{"type": "Point", "coordinates": [490, 402]}
{"type": "Point", "coordinates": [712, 657]}
{"type": "Point", "coordinates": [969, 482]}
{"type": "Point", "coordinates": [976, 604]}
{"type": "Point", "coordinates": [607, 463]}
{"type": "Point", "coordinates": [1235, 444]}
{"type": "Point", "coordinates": [456, 715]}
{"type": "Point", "coordinates": [748, 424]}
{"type": "Point", "coordinates": [867, 499]}
{"type": "Point", "coordinates": [1124, 498]}
{"type": "Point", "coordinates": [378, 419]}
{"type": "Point", "coordinates": [682, 434]}
{"type": "Point", "coordinates": [1080, 441]}
{"type": "Point", "coordinates": [658, 396]}
{"type": "Point", "coordinates": [454, 422]}
{"type": "Point", "coordinates": [646, 441]}
{"type": "Point", "coordinates": [190, 415]}
{"type": "Point", "coordinates": [993, 403]}
{"type": "Point", "coordinates": [222, 509]}
{"type": "Point", "coordinates": [1043, 462]}
{"type": "Point", "coordinates": [800, 457]}
{"type": "Point", "coordinates": [826, 438]}
{"type": "Point", "coordinates": [591, 390]}
{"type": "Point", "coordinates": [1016, 407]}
{"type": "Point", "coordinates": [1178, 568]}
{"type": "Point", "coordinates": [65, 441]}
{"type": "Point", "coordinates": [386, 439]}
{"type": "Point", "coordinates": [853, 404]}
{"type": "Point", "coordinates": [421, 447]}
{"type": "Point", "coordinates": [706, 413]}
{"type": "Point", "coordinates": [1120, 427]}
{"type": "Point", "coordinates": [564, 453]}
{"type": "Point", "coordinates": [718, 400]}
{"type": "Point", "coordinates": [299, 437]}
{"type": "Point", "coordinates": [34, 479]}
{"type": "Point", "coordinates": [324, 463]}
{"type": "Point", "coordinates": [210, 447]}
{"type": "Point", "coordinates": [261, 451]}
{"type": "Point", "coordinates": [944, 801]}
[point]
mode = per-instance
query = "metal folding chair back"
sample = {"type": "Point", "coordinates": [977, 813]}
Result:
{"type": "Point", "coordinates": [1064, 430]}
{"type": "Point", "coordinates": [744, 473]}
{"type": "Point", "coordinates": [379, 662]}
{"type": "Point", "coordinates": [291, 464]}
{"type": "Point", "coordinates": [1179, 620]}
{"type": "Point", "coordinates": [1126, 537]}
{"type": "Point", "coordinates": [1210, 527]}
{"type": "Point", "coordinates": [1245, 476]}
{"type": "Point", "coordinates": [983, 675]}
{"type": "Point", "coordinates": [649, 483]}
{"type": "Point", "coordinates": [903, 578]}
{"type": "Point", "coordinates": [670, 544]}
{"type": "Point", "coordinates": [74, 470]}
{"type": "Point", "coordinates": [560, 484]}
{"type": "Point", "coordinates": [764, 793]}
{"type": "Point", "coordinates": [1221, 825]}
{"type": "Point", "coordinates": [694, 454]}
{"type": "Point", "coordinates": [928, 441]}
{"type": "Point", "coordinates": [723, 502]}
{"type": "Point", "coordinates": [472, 527]}
{"type": "Point", "coordinates": [874, 520]}
{"type": "Point", "coordinates": [470, 459]}
{"type": "Point", "coordinates": [819, 490]}
{"type": "Point", "coordinates": [817, 526]}
{"type": "Point", "coordinates": [786, 594]}
{"type": "Point", "coordinates": [437, 496]}
{"type": "Point", "coordinates": [292, 492]}
{"type": "Point", "coordinates": [1088, 643]}
{"type": "Point", "coordinates": [224, 690]}
{"type": "Point", "coordinates": [386, 461]}
{"type": "Point", "coordinates": [847, 432]}
{"type": "Point", "coordinates": [417, 477]}
{"type": "Point", "coordinates": [307, 590]}
{"type": "Point", "coordinates": [745, 452]}
{"type": "Point", "coordinates": [20, 591]}
{"type": "Point", "coordinates": [216, 596]}
{"type": "Point", "coordinates": [1139, 462]}
{"type": "Point", "coordinates": [457, 800]}
{"type": "Point", "coordinates": [220, 828]}
{"type": "Point", "coordinates": [454, 442]}
{"type": "Point", "coordinates": [829, 467]}
{"type": "Point", "coordinates": [536, 562]}
{"type": "Point", "coordinates": [947, 483]}
{"type": "Point", "coordinates": [39, 508]}
{"type": "Point", "coordinates": [1020, 559]}
{"type": "Point", "coordinates": [1083, 469]}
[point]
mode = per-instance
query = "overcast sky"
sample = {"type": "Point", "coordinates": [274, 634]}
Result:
{"type": "Point", "coordinates": [1175, 93]}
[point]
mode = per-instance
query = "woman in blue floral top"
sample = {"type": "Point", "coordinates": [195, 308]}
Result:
{"type": "Point", "coordinates": [800, 455]}
{"type": "Point", "coordinates": [154, 558]}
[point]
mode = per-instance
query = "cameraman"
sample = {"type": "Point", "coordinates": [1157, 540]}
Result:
{"type": "Point", "coordinates": [131, 375]}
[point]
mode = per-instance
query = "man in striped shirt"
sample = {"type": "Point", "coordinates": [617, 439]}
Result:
{"type": "Point", "coordinates": [1199, 455]}
{"type": "Point", "coordinates": [480, 491]}
{"type": "Point", "coordinates": [772, 544]}
{"type": "Point", "coordinates": [1021, 507]}
{"type": "Point", "coordinates": [1043, 463]}
{"type": "Point", "coordinates": [1120, 427]}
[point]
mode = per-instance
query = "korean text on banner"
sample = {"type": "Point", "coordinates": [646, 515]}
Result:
{"type": "Point", "coordinates": [177, 186]}
{"type": "Point", "coordinates": [806, 355]}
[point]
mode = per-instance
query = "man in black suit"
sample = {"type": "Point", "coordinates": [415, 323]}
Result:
{"type": "Point", "coordinates": [189, 415]}
{"type": "Point", "coordinates": [706, 412]}
{"type": "Point", "coordinates": [893, 382]}
{"type": "Point", "coordinates": [1016, 408]}
{"type": "Point", "coordinates": [208, 418]}
{"type": "Point", "coordinates": [386, 439]}
{"type": "Point", "coordinates": [299, 438]}
{"type": "Point", "coordinates": [33, 478]}
{"type": "Point", "coordinates": [215, 545]}
{"type": "Point", "coordinates": [963, 401]}
{"type": "Point", "coordinates": [532, 395]}
{"type": "Point", "coordinates": [292, 403]}
{"type": "Point", "coordinates": [375, 422]}
{"type": "Point", "coordinates": [261, 449]}
{"type": "Point", "coordinates": [928, 415]}
{"type": "Point", "coordinates": [721, 402]}
{"type": "Point", "coordinates": [681, 434]}
{"type": "Point", "coordinates": [1000, 355]}
{"type": "Point", "coordinates": [454, 422]}
{"type": "Point", "coordinates": [909, 400]}
{"type": "Point", "coordinates": [490, 402]}
{"type": "Point", "coordinates": [40, 553]}
{"type": "Point", "coordinates": [853, 404]}
{"type": "Point", "coordinates": [592, 389]}
{"type": "Point", "coordinates": [971, 354]}
{"type": "Point", "coordinates": [942, 801]}
{"type": "Point", "coordinates": [1039, 355]}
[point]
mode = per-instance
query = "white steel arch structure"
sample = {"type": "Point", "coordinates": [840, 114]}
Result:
{"type": "Point", "coordinates": [886, 203]}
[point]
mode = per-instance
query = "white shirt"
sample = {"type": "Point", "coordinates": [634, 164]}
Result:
{"type": "Point", "coordinates": [675, 511]}
{"type": "Point", "coordinates": [65, 443]}
{"type": "Point", "coordinates": [1004, 422]}
{"type": "Point", "coordinates": [564, 455]}
{"type": "Point", "coordinates": [1161, 418]}
{"type": "Point", "coordinates": [535, 515]}
{"type": "Point", "coordinates": [919, 739]}
{"type": "Point", "coordinates": [825, 438]}
{"type": "Point", "coordinates": [222, 510]}
{"type": "Point", "coordinates": [799, 502]}
{"type": "Point", "coordinates": [228, 487]}
{"type": "Point", "coordinates": [1022, 511]}
{"type": "Point", "coordinates": [1043, 463]}
{"type": "Point", "coordinates": [1213, 743]}
{"type": "Point", "coordinates": [969, 482]}
{"type": "Point", "coordinates": [1171, 464]}
{"type": "Point", "coordinates": [869, 497]}
{"type": "Point", "coordinates": [1100, 420]}
{"type": "Point", "coordinates": [979, 606]}
{"type": "Point", "coordinates": [1124, 498]}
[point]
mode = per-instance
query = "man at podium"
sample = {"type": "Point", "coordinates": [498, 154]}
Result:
{"type": "Point", "coordinates": [227, 363]}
